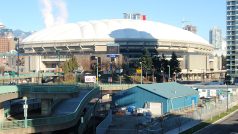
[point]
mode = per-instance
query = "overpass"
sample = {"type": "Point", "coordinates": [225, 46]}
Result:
{"type": "Point", "coordinates": [64, 115]}
{"type": "Point", "coordinates": [32, 76]}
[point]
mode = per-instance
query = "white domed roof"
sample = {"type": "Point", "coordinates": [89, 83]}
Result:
{"type": "Point", "coordinates": [2, 25]}
{"type": "Point", "coordinates": [114, 29]}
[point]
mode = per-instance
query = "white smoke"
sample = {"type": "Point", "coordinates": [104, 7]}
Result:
{"type": "Point", "coordinates": [63, 13]}
{"type": "Point", "coordinates": [51, 19]}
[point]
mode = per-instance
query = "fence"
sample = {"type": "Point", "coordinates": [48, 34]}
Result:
{"type": "Point", "coordinates": [208, 111]}
{"type": "Point", "coordinates": [175, 120]}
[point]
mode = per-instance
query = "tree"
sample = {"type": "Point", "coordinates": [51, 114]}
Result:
{"type": "Point", "coordinates": [174, 64]}
{"type": "Point", "coordinates": [70, 65]}
{"type": "Point", "coordinates": [157, 68]}
{"type": "Point", "coordinates": [2, 69]}
{"type": "Point", "coordinates": [164, 65]}
{"type": "Point", "coordinates": [223, 62]}
{"type": "Point", "coordinates": [146, 61]}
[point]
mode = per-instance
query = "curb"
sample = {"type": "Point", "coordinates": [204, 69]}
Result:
{"type": "Point", "coordinates": [217, 121]}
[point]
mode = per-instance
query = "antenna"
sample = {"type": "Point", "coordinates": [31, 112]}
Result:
{"type": "Point", "coordinates": [183, 22]}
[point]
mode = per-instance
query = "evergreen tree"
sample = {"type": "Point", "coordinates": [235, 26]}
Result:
{"type": "Point", "coordinates": [146, 60]}
{"type": "Point", "coordinates": [164, 67]}
{"type": "Point", "coordinates": [70, 65]}
{"type": "Point", "coordinates": [157, 68]}
{"type": "Point", "coordinates": [223, 61]}
{"type": "Point", "coordinates": [174, 64]}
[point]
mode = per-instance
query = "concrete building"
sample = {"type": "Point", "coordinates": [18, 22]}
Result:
{"type": "Point", "coordinates": [215, 37]}
{"type": "Point", "coordinates": [169, 96]}
{"type": "Point", "coordinates": [232, 62]}
{"type": "Point", "coordinates": [6, 39]}
{"type": "Point", "coordinates": [6, 44]}
{"type": "Point", "coordinates": [190, 28]}
{"type": "Point", "coordinates": [117, 41]}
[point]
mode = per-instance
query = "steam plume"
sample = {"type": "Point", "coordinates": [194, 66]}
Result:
{"type": "Point", "coordinates": [48, 8]}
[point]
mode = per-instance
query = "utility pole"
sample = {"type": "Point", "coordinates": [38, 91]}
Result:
{"type": "Point", "coordinates": [141, 75]}
{"type": "Point", "coordinates": [97, 69]}
{"type": "Point", "coordinates": [18, 59]}
{"type": "Point", "coordinates": [169, 71]}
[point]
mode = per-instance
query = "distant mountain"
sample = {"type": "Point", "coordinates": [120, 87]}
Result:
{"type": "Point", "coordinates": [21, 34]}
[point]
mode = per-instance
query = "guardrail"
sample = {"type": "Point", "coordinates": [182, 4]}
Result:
{"type": "Point", "coordinates": [8, 89]}
{"type": "Point", "coordinates": [49, 88]}
{"type": "Point", "coordinates": [29, 75]}
{"type": "Point", "coordinates": [52, 120]}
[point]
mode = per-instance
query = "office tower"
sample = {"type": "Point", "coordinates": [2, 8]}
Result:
{"type": "Point", "coordinates": [190, 28]}
{"type": "Point", "coordinates": [134, 16]}
{"type": "Point", "coordinates": [232, 44]}
{"type": "Point", "coordinates": [6, 39]}
{"type": "Point", "coordinates": [215, 37]}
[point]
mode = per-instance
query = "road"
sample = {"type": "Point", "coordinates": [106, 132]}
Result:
{"type": "Point", "coordinates": [227, 126]}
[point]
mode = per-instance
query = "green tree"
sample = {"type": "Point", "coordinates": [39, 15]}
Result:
{"type": "Point", "coordinates": [157, 68]}
{"type": "Point", "coordinates": [146, 61]}
{"type": "Point", "coordinates": [174, 64]}
{"type": "Point", "coordinates": [223, 61]}
{"type": "Point", "coordinates": [164, 66]}
{"type": "Point", "coordinates": [70, 65]}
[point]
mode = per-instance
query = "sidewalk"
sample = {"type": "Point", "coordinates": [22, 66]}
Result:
{"type": "Point", "coordinates": [194, 123]}
{"type": "Point", "coordinates": [183, 127]}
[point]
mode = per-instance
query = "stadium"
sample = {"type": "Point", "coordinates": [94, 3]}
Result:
{"type": "Point", "coordinates": [116, 40]}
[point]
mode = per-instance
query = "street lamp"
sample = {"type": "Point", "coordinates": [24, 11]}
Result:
{"type": "Point", "coordinates": [141, 79]}
{"type": "Point", "coordinates": [227, 97]}
{"type": "Point", "coordinates": [25, 107]}
{"type": "Point", "coordinates": [169, 71]}
{"type": "Point", "coordinates": [227, 81]}
{"type": "Point", "coordinates": [58, 53]}
{"type": "Point", "coordinates": [39, 69]}
{"type": "Point", "coordinates": [18, 60]}
{"type": "Point", "coordinates": [97, 69]}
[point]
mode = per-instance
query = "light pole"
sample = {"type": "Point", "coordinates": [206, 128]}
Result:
{"type": "Point", "coordinates": [169, 71]}
{"type": "Point", "coordinates": [18, 60]}
{"type": "Point", "coordinates": [141, 79]}
{"type": "Point", "coordinates": [58, 53]}
{"type": "Point", "coordinates": [227, 97]}
{"type": "Point", "coordinates": [25, 107]}
{"type": "Point", "coordinates": [39, 69]}
{"type": "Point", "coordinates": [97, 69]}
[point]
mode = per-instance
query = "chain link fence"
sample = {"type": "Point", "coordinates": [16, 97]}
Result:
{"type": "Point", "coordinates": [139, 125]}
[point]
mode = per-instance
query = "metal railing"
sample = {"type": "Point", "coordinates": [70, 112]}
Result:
{"type": "Point", "coordinates": [8, 89]}
{"type": "Point", "coordinates": [28, 75]}
{"type": "Point", "coordinates": [54, 120]}
{"type": "Point", "coordinates": [49, 88]}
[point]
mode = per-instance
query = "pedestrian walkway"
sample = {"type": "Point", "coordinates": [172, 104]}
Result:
{"type": "Point", "coordinates": [69, 106]}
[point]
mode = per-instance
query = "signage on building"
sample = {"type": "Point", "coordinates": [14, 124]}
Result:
{"type": "Point", "coordinates": [138, 70]}
{"type": "Point", "coordinates": [112, 55]}
{"type": "Point", "coordinates": [90, 79]}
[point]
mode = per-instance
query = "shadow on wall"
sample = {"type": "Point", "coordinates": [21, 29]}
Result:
{"type": "Point", "coordinates": [122, 97]}
{"type": "Point", "coordinates": [130, 33]}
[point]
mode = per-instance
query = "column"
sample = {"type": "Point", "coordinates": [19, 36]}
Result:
{"type": "Point", "coordinates": [2, 117]}
{"type": "Point", "coordinates": [46, 106]}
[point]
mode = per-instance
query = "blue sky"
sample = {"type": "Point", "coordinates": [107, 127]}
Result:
{"type": "Point", "coordinates": [27, 14]}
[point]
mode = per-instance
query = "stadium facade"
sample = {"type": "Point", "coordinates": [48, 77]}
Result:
{"type": "Point", "coordinates": [117, 40]}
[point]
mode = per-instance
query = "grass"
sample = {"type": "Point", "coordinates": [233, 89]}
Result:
{"type": "Point", "coordinates": [210, 121]}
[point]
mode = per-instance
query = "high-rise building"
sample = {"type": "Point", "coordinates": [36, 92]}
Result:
{"type": "Point", "coordinates": [6, 39]}
{"type": "Point", "coordinates": [215, 37]}
{"type": "Point", "coordinates": [190, 28]}
{"type": "Point", "coordinates": [134, 16]}
{"type": "Point", "coordinates": [232, 43]}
